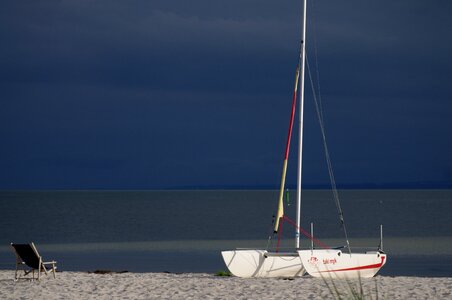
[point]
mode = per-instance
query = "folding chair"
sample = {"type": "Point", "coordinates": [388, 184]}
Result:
{"type": "Point", "coordinates": [28, 260]}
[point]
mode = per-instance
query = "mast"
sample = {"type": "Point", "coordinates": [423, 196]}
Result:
{"type": "Point", "coordinates": [300, 136]}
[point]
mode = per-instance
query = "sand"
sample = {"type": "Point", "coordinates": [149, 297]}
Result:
{"type": "Point", "coordinates": [82, 285]}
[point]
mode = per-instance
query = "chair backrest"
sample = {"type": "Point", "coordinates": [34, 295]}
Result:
{"type": "Point", "coordinates": [28, 254]}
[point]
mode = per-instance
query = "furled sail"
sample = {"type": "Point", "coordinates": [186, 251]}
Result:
{"type": "Point", "coordinates": [280, 212]}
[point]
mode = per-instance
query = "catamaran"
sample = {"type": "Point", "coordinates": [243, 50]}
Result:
{"type": "Point", "coordinates": [326, 261]}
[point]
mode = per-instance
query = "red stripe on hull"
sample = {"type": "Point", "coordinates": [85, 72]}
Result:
{"type": "Point", "coordinates": [360, 268]}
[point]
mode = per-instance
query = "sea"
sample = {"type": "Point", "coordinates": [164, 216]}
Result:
{"type": "Point", "coordinates": [185, 230]}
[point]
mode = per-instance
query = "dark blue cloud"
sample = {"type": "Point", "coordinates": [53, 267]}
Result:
{"type": "Point", "coordinates": [162, 94]}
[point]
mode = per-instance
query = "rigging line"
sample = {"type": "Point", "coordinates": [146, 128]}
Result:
{"type": "Point", "coordinates": [270, 235]}
{"type": "Point", "coordinates": [304, 232]}
{"type": "Point", "coordinates": [313, 25]}
{"type": "Point", "coordinates": [328, 159]}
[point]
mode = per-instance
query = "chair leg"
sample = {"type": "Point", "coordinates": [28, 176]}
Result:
{"type": "Point", "coordinates": [15, 274]}
{"type": "Point", "coordinates": [41, 266]}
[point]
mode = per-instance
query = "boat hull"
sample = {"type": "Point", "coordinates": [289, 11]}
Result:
{"type": "Point", "coordinates": [329, 263]}
{"type": "Point", "coordinates": [260, 263]}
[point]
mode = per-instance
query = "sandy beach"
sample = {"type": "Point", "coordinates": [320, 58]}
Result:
{"type": "Point", "coordinates": [83, 285]}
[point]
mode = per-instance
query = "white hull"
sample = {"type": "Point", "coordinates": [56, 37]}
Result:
{"type": "Point", "coordinates": [336, 264]}
{"type": "Point", "coordinates": [260, 263]}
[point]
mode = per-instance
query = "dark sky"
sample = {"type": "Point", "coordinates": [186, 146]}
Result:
{"type": "Point", "coordinates": [145, 94]}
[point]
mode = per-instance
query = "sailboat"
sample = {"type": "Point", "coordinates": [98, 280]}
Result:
{"type": "Point", "coordinates": [326, 262]}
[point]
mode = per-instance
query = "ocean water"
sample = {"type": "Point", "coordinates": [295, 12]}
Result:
{"type": "Point", "coordinates": [184, 231]}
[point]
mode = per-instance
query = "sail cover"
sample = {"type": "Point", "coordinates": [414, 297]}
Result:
{"type": "Point", "coordinates": [280, 212]}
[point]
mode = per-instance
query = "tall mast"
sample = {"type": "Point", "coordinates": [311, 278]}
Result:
{"type": "Point", "coordinates": [300, 136]}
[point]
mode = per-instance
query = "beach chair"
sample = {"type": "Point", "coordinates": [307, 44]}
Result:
{"type": "Point", "coordinates": [28, 260]}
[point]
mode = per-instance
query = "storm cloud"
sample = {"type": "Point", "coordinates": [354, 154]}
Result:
{"type": "Point", "coordinates": [175, 94]}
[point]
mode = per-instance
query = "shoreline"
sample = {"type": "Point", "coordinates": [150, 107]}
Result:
{"type": "Point", "coordinates": [107, 284]}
